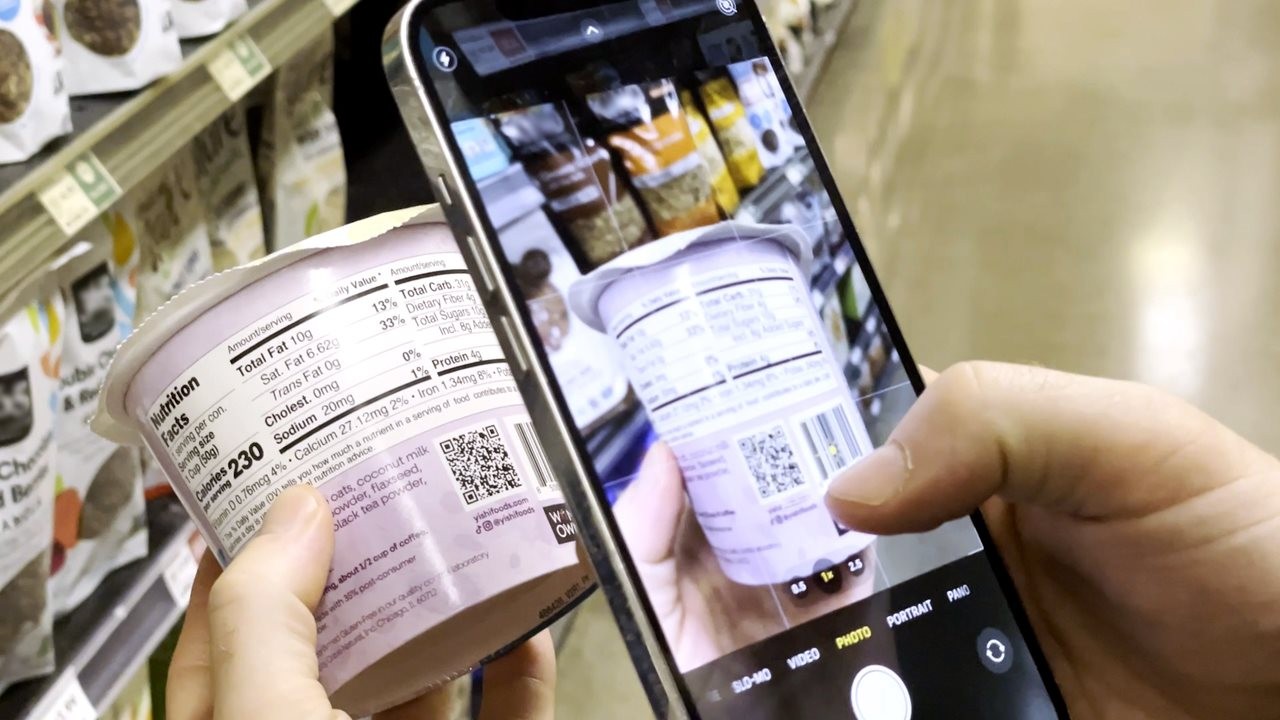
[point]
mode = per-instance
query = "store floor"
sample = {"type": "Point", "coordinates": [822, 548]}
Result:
{"type": "Point", "coordinates": [1089, 185]}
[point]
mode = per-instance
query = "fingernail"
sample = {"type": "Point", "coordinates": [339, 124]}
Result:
{"type": "Point", "coordinates": [875, 479]}
{"type": "Point", "coordinates": [294, 511]}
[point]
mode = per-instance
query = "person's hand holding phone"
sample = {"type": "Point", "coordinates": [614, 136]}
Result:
{"type": "Point", "coordinates": [1143, 536]}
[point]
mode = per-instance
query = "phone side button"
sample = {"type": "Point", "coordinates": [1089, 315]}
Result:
{"type": "Point", "coordinates": [442, 191]}
{"type": "Point", "coordinates": [521, 362]}
{"type": "Point", "coordinates": [484, 272]}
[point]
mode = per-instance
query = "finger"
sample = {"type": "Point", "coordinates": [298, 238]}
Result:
{"type": "Point", "coordinates": [260, 614]}
{"type": "Point", "coordinates": [435, 705]}
{"type": "Point", "coordinates": [1076, 445]}
{"type": "Point", "coordinates": [648, 513]}
{"type": "Point", "coordinates": [189, 694]}
{"type": "Point", "coordinates": [521, 685]}
{"type": "Point", "coordinates": [928, 373]}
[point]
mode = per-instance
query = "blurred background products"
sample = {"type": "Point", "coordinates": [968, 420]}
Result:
{"type": "Point", "coordinates": [115, 45]}
{"type": "Point", "coordinates": [33, 97]}
{"type": "Point", "coordinates": [198, 18]}
{"type": "Point", "coordinates": [300, 162]}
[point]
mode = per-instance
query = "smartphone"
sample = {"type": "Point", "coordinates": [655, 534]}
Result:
{"type": "Point", "coordinates": [702, 344]}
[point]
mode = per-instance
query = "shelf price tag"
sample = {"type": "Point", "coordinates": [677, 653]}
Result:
{"type": "Point", "coordinates": [238, 67]}
{"type": "Point", "coordinates": [79, 193]}
{"type": "Point", "coordinates": [180, 575]}
{"type": "Point", "coordinates": [339, 7]}
{"type": "Point", "coordinates": [67, 700]}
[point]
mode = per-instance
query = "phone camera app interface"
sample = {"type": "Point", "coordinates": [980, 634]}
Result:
{"type": "Point", "coordinates": [697, 296]}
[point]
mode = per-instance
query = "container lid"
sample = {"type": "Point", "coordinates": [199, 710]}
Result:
{"type": "Point", "coordinates": [112, 420]}
{"type": "Point", "coordinates": [584, 295]}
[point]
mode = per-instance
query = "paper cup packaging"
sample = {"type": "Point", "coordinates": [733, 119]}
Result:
{"type": "Point", "coordinates": [361, 362]}
{"type": "Point", "coordinates": [723, 346]}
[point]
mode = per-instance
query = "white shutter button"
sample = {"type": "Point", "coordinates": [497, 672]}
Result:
{"type": "Point", "coordinates": [879, 694]}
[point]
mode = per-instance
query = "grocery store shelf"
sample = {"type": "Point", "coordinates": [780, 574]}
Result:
{"type": "Point", "coordinates": [133, 133]}
{"type": "Point", "coordinates": [115, 629]}
{"type": "Point", "coordinates": [830, 23]}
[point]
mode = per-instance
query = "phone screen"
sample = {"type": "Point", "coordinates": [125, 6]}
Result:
{"type": "Point", "coordinates": [700, 297]}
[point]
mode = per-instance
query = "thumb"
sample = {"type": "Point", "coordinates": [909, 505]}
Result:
{"type": "Point", "coordinates": [1085, 447]}
{"type": "Point", "coordinates": [649, 511]}
{"type": "Point", "coordinates": [263, 632]}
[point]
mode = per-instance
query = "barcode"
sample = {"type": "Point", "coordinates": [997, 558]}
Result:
{"type": "Point", "coordinates": [830, 440]}
{"type": "Point", "coordinates": [542, 475]}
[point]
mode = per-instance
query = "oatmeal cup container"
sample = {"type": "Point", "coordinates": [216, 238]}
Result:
{"type": "Point", "coordinates": [361, 362]}
{"type": "Point", "coordinates": [722, 344]}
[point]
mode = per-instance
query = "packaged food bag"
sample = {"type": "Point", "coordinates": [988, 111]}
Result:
{"type": "Point", "coordinates": [728, 117]}
{"type": "Point", "coordinates": [101, 521]}
{"type": "Point", "coordinates": [301, 168]}
{"type": "Point", "coordinates": [726, 192]}
{"type": "Point", "coordinates": [485, 154]}
{"type": "Point", "coordinates": [116, 45]}
{"type": "Point", "coordinates": [767, 110]}
{"type": "Point", "coordinates": [166, 218]}
{"type": "Point", "coordinates": [584, 194]}
{"type": "Point", "coordinates": [198, 18]}
{"type": "Point", "coordinates": [29, 358]}
{"type": "Point", "coordinates": [224, 168]}
{"type": "Point", "coordinates": [33, 100]}
{"type": "Point", "coordinates": [647, 128]}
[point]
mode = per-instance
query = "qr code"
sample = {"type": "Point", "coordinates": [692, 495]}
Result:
{"type": "Point", "coordinates": [771, 462]}
{"type": "Point", "coordinates": [480, 465]}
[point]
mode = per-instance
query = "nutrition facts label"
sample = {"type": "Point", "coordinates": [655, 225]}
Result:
{"type": "Point", "coordinates": [327, 380]}
{"type": "Point", "coordinates": [735, 336]}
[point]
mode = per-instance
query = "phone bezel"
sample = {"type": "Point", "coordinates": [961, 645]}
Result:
{"type": "Point", "coordinates": [589, 499]}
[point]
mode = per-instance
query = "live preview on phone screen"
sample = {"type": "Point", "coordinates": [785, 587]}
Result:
{"type": "Point", "coordinates": [696, 294]}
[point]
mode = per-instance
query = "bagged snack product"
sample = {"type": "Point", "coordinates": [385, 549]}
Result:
{"type": "Point", "coordinates": [577, 177]}
{"type": "Point", "coordinates": [767, 110]}
{"type": "Point", "coordinates": [726, 192]}
{"type": "Point", "coordinates": [29, 349]}
{"type": "Point", "coordinates": [165, 217]}
{"type": "Point", "coordinates": [224, 167]}
{"type": "Point", "coordinates": [646, 127]}
{"type": "Point", "coordinates": [301, 168]}
{"type": "Point", "coordinates": [733, 130]}
{"type": "Point", "coordinates": [116, 45]}
{"type": "Point", "coordinates": [33, 100]}
{"type": "Point", "coordinates": [100, 520]}
{"type": "Point", "coordinates": [197, 18]}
